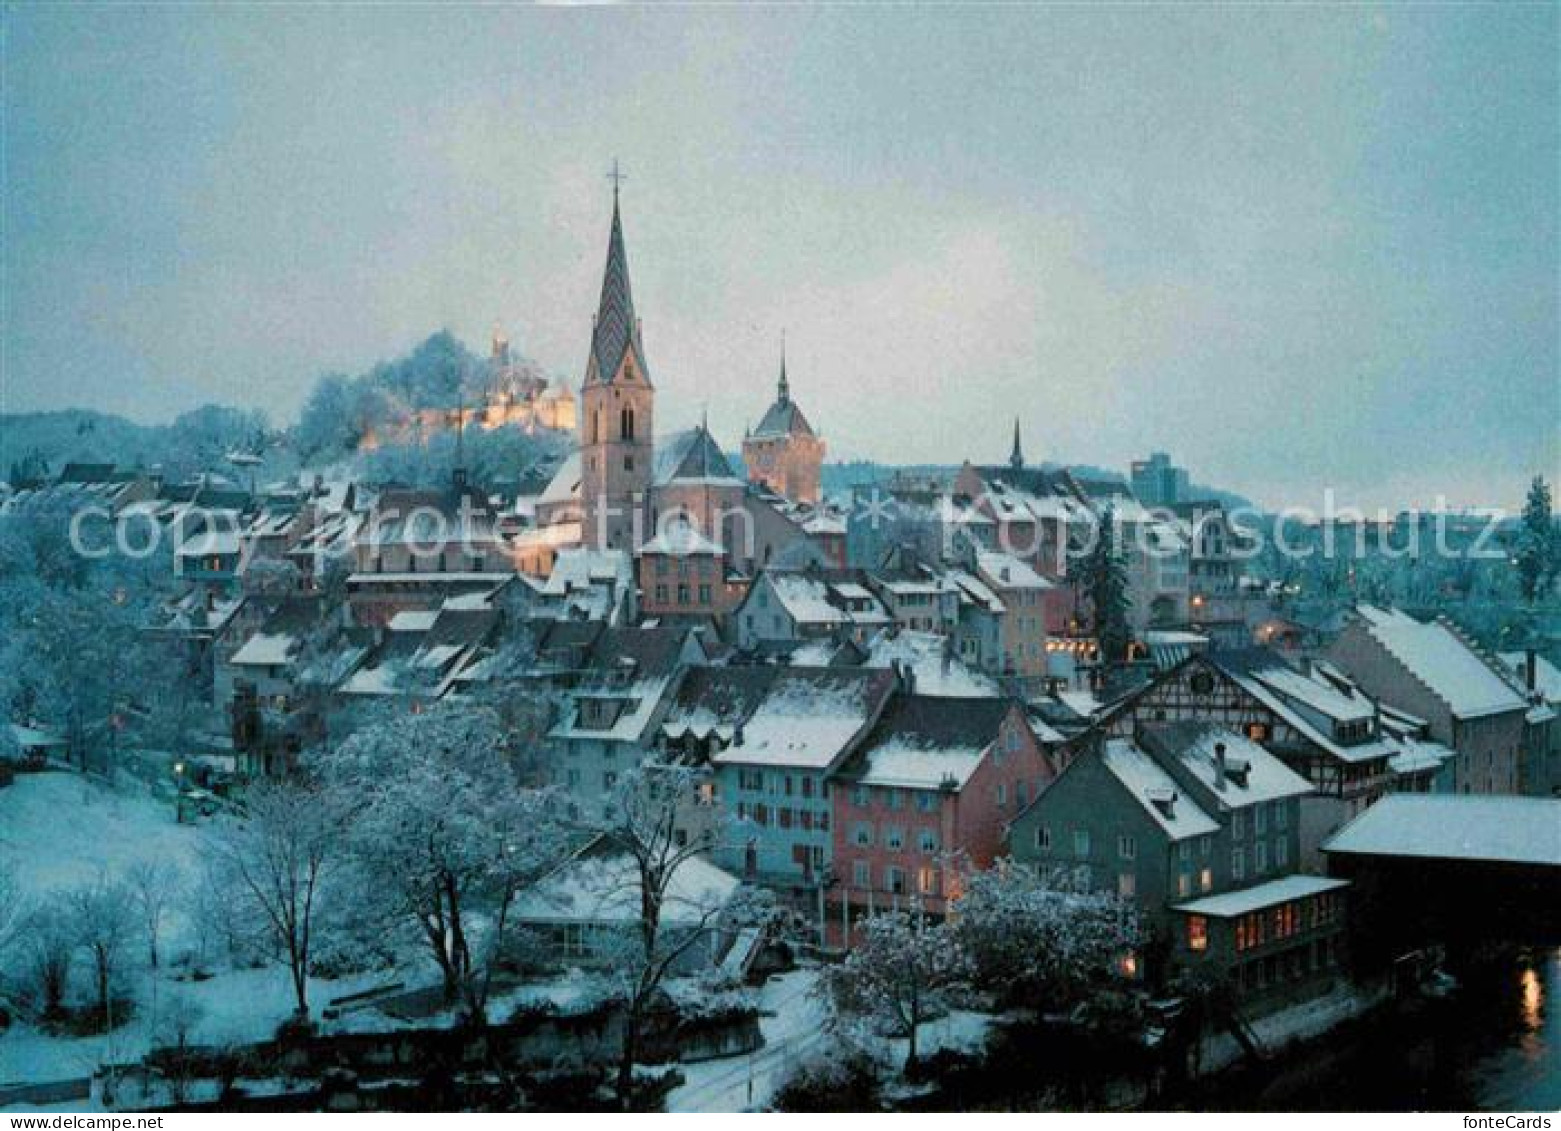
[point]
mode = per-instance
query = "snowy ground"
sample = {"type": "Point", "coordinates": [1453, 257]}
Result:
{"type": "Point", "coordinates": [60, 830]}
{"type": "Point", "coordinates": [794, 1033]}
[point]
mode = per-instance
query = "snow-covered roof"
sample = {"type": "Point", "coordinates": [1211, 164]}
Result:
{"type": "Point", "coordinates": [1266, 778]}
{"type": "Point", "coordinates": [680, 538]}
{"type": "Point", "coordinates": [265, 649]}
{"type": "Point", "coordinates": [692, 456]}
{"type": "Point", "coordinates": [30, 738]}
{"type": "Point", "coordinates": [1227, 905]}
{"type": "Point", "coordinates": [1463, 826]}
{"type": "Point", "coordinates": [1440, 659]}
{"type": "Point", "coordinates": [1156, 791]}
{"type": "Point", "coordinates": [564, 487]}
{"type": "Point", "coordinates": [581, 569]}
{"type": "Point", "coordinates": [1547, 677]}
{"type": "Point", "coordinates": [209, 542]}
{"type": "Point", "coordinates": [937, 671]}
{"type": "Point", "coordinates": [806, 598]}
{"type": "Point", "coordinates": [927, 742]}
{"type": "Point", "coordinates": [1008, 572]}
{"type": "Point", "coordinates": [551, 536]}
{"type": "Point", "coordinates": [810, 718]}
{"type": "Point", "coordinates": [1316, 693]}
{"type": "Point", "coordinates": [413, 620]}
{"type": "Point", "coordinates": [1415, 756]}
{"type": "Point", "coordinates": [603, 886]}
{"type": "Point", "coordinates": [1310, 705]}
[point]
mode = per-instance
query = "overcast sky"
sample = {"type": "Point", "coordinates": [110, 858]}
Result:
{"type": "Point", "coordinates": [1296, 247]}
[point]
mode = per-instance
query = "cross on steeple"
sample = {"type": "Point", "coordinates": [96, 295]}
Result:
{"type": "Point", "coordinates": [617, 179]}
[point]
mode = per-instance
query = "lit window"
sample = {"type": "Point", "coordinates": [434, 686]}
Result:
{"type": "Point", "coordinates": [1197, 933]}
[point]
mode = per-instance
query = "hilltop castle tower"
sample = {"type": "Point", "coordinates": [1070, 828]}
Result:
{"type": "Point", "coordinates": [783, 453]}
{"type": "Point", "coordinates": [617, 410]}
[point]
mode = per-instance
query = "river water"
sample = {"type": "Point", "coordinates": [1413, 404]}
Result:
{"type": "Point", "coordinates": [1493, 1044]}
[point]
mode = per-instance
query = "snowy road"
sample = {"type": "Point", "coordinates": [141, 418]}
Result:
{"type": "Point", "coordinates": [738, 1083]}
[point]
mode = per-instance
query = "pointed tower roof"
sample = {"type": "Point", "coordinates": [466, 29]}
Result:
{"type": "Point", "coordinates": [617, 330]}
{"type": "Point", "coordinates": [783, 418]}
{"type": "Point", "coordinates": [1016, 457]}
{"type": "Point", "coordinates": [691, 455]}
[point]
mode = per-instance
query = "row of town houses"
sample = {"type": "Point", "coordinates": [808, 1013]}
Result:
{"type": "Point", "coordinates": [875, 694]}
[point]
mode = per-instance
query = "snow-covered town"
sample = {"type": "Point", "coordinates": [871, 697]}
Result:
{"type": "Point", "coordinates": [477, 735]}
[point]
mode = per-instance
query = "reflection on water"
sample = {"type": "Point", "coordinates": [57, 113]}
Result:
{"type": "Point", "coordinates": [1494, 1044]}
{"type": "Point", "coordinates": [1524, 1073]}
{"type": "Point", "coordinates": [1533, 998]}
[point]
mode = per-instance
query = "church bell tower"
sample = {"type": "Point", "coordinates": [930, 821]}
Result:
{"type": "Point", "coordinates": [617, 410]}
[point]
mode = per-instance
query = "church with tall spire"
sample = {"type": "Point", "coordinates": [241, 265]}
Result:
{"type": "Point", "coordinates": [783, 453]}
{"type": "Point", "coordinates": [617, 410]}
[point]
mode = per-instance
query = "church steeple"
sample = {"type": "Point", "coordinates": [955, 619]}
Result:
{"type": "Point", "coordinates": [617, 330]}
{"type": "Point", "coordinates": [1016, 457]}
{"type": "Point", "coordinates": [783, 389]}
{"type": "Point", "coordinates": [617, 421]}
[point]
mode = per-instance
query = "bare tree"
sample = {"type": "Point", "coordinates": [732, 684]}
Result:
{"type": "Point", "coordinates": [13, 907]}
{"type": "Point", "coordinates": [276, 857]}
{"type": "Point", "coordinates": [645, 820]}
{"type": "Point", "coordinates": [103, 915]}
{"type": "Point", "coordinates": [153, 884]}
{"type": "Point", "coordinates": [49, 944]}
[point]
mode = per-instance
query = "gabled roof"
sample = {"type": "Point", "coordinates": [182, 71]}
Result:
{"type": "Point", "coordinates": [717, 700]}
{"type": "Point", "coordinates": [927, 742]}
{"type": "Point", "coordinates": [680, 539]}
{"type": "Point", "coordinates": [1442, 660]}
{"type": "Point", "coordinates": [617, 329]}
{"type": "Point", "coordinates": [1155, 791]}
{"type": "Point", "coordinates": [691, 455]}
{"type": "Point", "coordinates": [810, 718]}
{"type": "Point", "coordinates": [1253, 775]}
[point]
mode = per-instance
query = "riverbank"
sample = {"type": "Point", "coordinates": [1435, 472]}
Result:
{"type": "Point", "coordinates": [1493, 1044]}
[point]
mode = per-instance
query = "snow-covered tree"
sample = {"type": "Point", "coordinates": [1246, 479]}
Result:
{"type": "Point", "coordinates": [102, 913]}
{"type": "Point", "coordinates": [276, 857]}
{"type": "Point", "coordinates": [14, 908]}
{"type": "Point", "coordinates": [646, 819]}
{"type": "Point", "coordinates": [444, 835]}
{"type": "Point", "coordinates": [153, 885]}
{"type": "Point", "coordinates": [1538, 543]}
{"type": "Point", "coordinates": [1040, 938]}
{"type": "Point", "coordinates": [900, 974]}
{"type": "Point", "coordinates": [48, 942]}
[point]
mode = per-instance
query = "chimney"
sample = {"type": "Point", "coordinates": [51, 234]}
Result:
{"type": "Point", "coordinates": [1219, 765]}
{"type": "Point", "coordinates": [1530, 669]}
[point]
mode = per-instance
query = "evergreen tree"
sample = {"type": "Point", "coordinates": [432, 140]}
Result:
{"type": "Point", "coordinates": [1104, 580]}
{"type": "Point", "coordinates": [1539, 555]}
